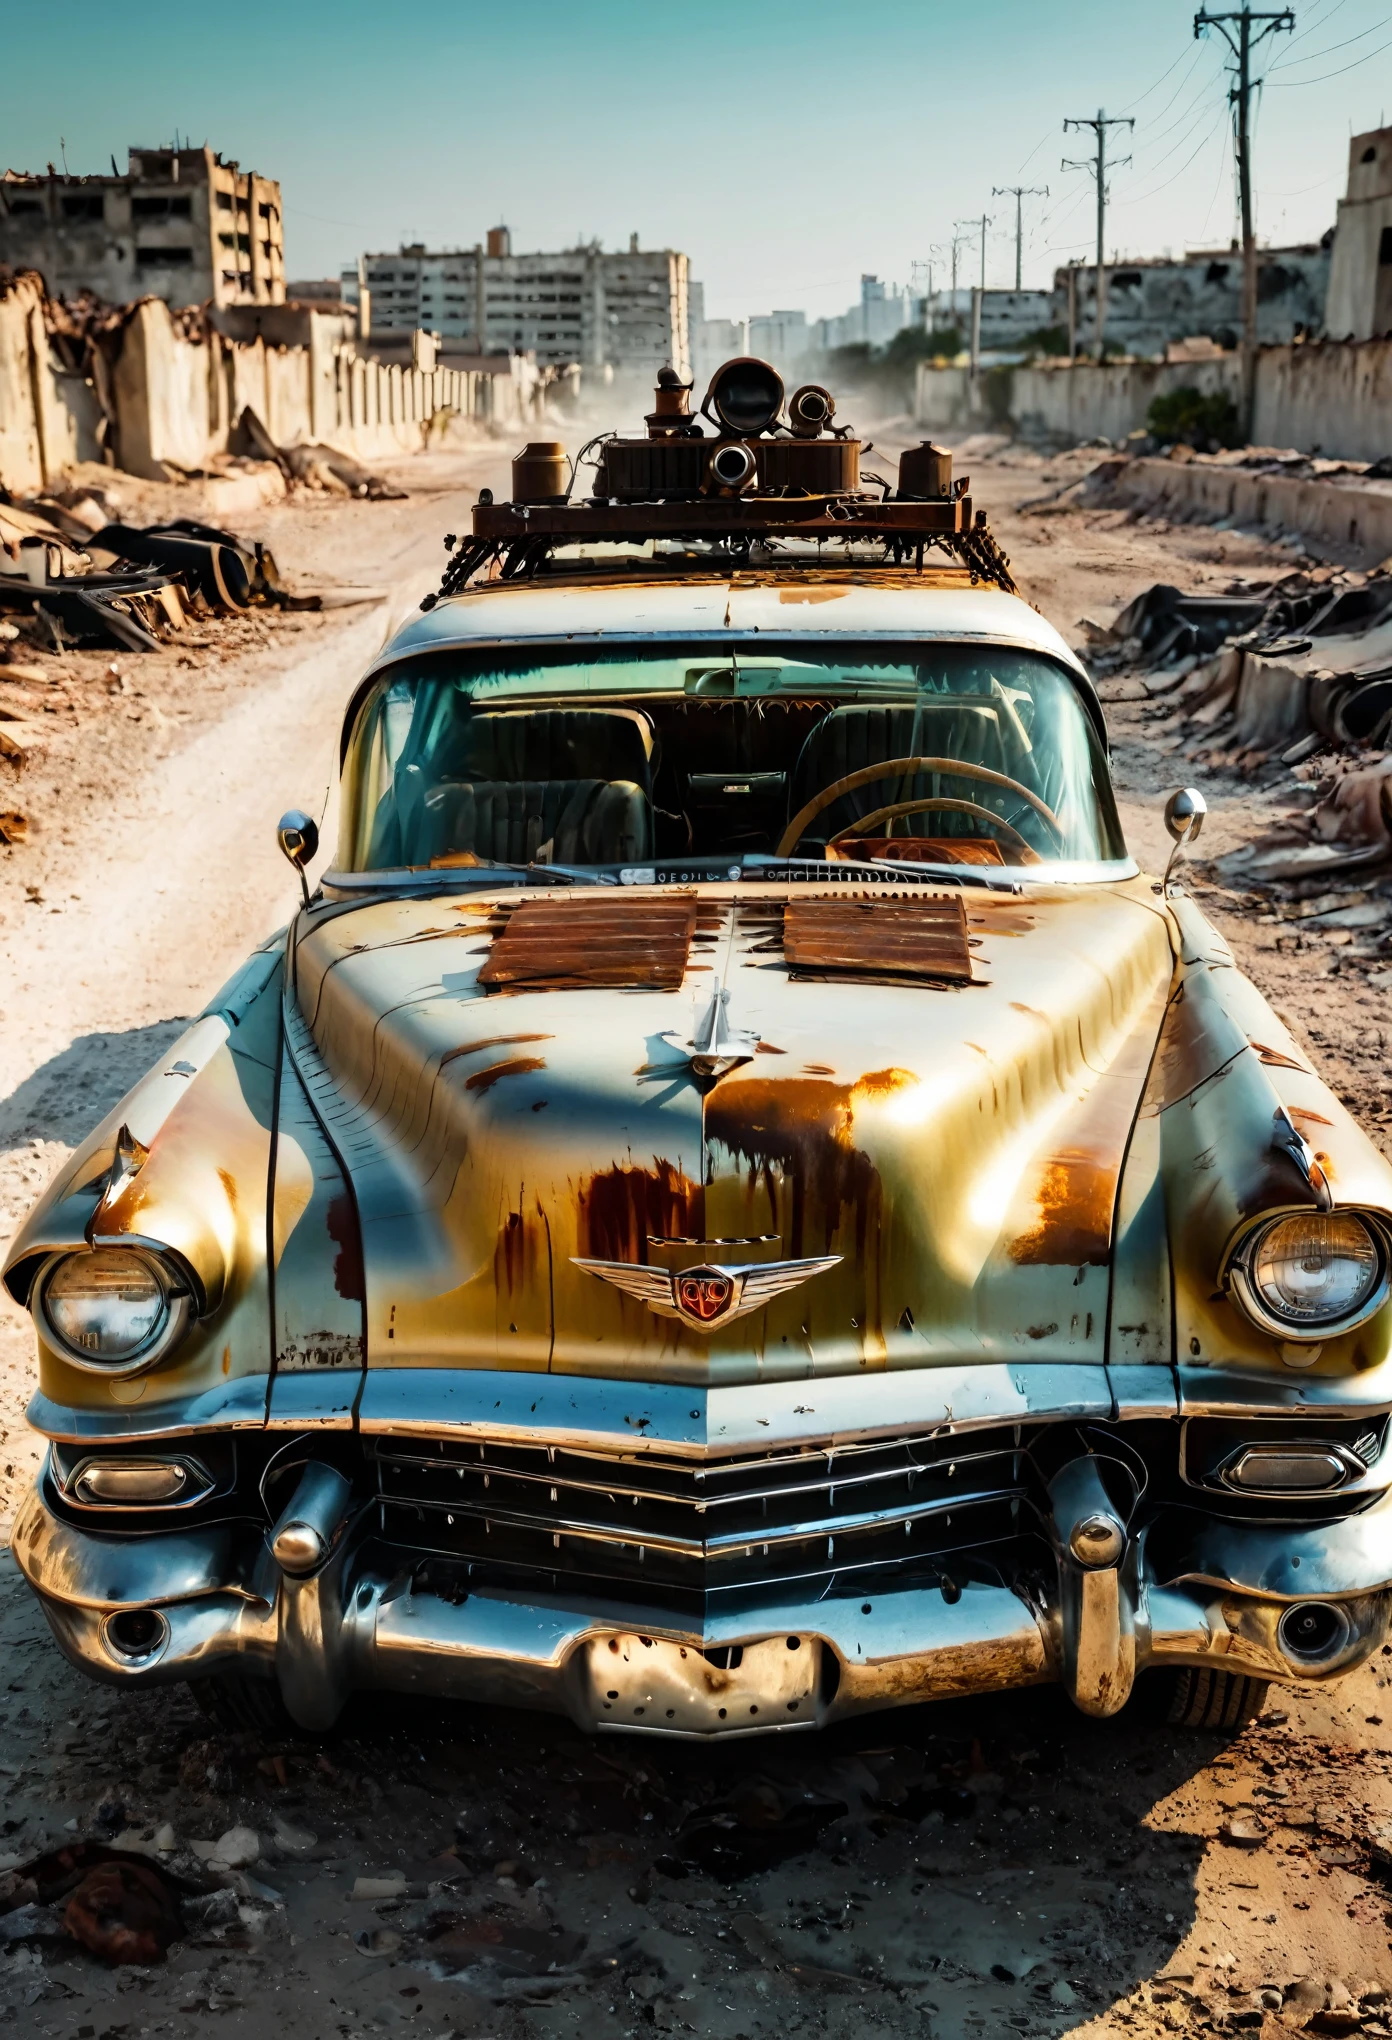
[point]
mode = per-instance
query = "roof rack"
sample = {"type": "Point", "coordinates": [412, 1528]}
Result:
{"type": "Point", "coordinates": [762, 476]}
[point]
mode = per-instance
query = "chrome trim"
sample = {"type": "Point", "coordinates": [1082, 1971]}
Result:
{"type": "Point", "coordinates": [87, 1568]}
{"type": "Point", "coordinates": [1291, 1562]}
{"type": "Point", "coordinates": [312, 1521]}
{"type": "Point", "coordinates": [842, 1472]}
{"type": "Point", "coordinates": [1344, 1463]}
{"type": "Point", "coordinates": [747, 1288]}
{"type": "Point", "coordinates": [1237, 1279]}
{"type": "Point", "coordinates": [196, 1482]}
{"type": "Point", "coordinates": [178, 1310]}
{"type": "Point", "coordinates": [731, 1543]}
{"type": "Point", "coordinates": [634, 1417]}
{"type": "Point", "coordinates": [238, 1405]}
{"type": "Point", "coordinates": [354, 1626]}
{"type": "Point", "coordinates": [322, 1401]}
{"type": "Point", "coordinates": [1148, 1390]}
{"type": "Point", "coordinates": [1219, 1391]}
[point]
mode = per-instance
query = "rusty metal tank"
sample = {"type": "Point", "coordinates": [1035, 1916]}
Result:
{"type": "Point", "coordinates": [925, 471]}
{"type": "Point", "coordinates": [541, 473]}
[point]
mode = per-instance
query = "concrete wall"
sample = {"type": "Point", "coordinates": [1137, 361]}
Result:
{"type": "Point", "coordinates": [1330, 397]}
{"type": "Point", "coordinates": [174, 402]}
{"type": "Point", "coordinates": [1333, 398]}
{"type": "Point", "coordinates": [1210, 492]}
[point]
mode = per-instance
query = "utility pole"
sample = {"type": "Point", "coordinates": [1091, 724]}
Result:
{"type": "Point", "coordinates": [1098, 166]}
{"type": "Point", "coordinates": [1236, 31]}
{"type": "Point", "coordinates": [967, 230]}
{"type": "Point", "coordinates": [1019, 192]}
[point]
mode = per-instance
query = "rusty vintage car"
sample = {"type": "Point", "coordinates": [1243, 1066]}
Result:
{"type": "Point", "coordinates": [735, 1201]}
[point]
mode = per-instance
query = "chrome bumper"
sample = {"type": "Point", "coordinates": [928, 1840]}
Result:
{"type": "Point", "coordinates": [160, 1608]}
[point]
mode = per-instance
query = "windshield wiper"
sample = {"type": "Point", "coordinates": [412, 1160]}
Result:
{"type": "Point", "coordinates": [819, 868]}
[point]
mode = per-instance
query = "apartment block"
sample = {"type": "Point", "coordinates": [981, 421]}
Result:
{"type": "Point", "coordinates": [622, 311]}
{"type": "Point", "coordinates": [180, 224]}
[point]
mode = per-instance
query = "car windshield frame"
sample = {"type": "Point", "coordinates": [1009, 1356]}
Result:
{"type": "Point", "coordinates": [395, 709]}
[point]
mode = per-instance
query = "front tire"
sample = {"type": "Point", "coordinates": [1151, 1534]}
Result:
{"type": "Point", "coordinates": [1205, 1698]}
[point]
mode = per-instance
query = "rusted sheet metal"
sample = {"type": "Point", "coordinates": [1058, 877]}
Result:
{"type": "Point", "coordinates": [562, 945]}
{"type": "Point", "coordinates": [200, 1127]}
{"type": "Point", "coordinates": [913, 1136]}
{"type": "Point", "coordinates": [1229, 1087]}
{"type": "Point", "coordinates": [1077, 1176]}
{"type": "Point", "coordinates": [879, 938]}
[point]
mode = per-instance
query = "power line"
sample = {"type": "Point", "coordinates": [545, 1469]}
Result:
{"type": "Point", "coordinates": [1019, 192]}
{"type": "Point", "coordinates": [1098, 167]}
{"type": "Point", "coordinates": [1236, 31]}
{"type": "Point", "coordinates": [1294, 84]}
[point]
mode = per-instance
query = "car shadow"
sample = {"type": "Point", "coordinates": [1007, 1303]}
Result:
{"type": "Point", "coordinates": [987, 1861]}
{"type": "Point", "coordinates": [66, 1096]}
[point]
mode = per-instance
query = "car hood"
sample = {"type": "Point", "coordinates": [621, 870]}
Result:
{"type": "Point", "coordinates": [956, 1147]}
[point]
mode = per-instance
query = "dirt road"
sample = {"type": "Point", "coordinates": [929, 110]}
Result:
{"type": "Point", "coordinates": [951, 1871]}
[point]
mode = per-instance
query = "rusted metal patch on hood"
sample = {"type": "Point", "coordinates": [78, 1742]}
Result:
{"type": "Point", "coordinates": [797, 1135]}
{"type": "Point", "coordinates": [624, 1211]}
{"type": "Point", "coordinates": [876, 939]}
{"type": "Point", "coordinates": [571, 944]}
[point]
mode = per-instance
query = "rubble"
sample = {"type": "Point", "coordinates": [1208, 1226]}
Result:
{"type": "Point", "coordinates": [113, 1902]}
{"type": "Point", "coordinates": [121, 585]}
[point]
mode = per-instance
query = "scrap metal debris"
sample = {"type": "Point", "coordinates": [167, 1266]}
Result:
{"type": "Point", "coordinates": [126, 586]}
{"type": "Point", "coordinates": [116, 1904]}
{"type": "Point", "coordinates": [757, 1824]}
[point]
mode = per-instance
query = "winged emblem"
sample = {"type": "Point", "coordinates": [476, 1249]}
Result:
{"type": "Point", "coordinates": [710, 1295]}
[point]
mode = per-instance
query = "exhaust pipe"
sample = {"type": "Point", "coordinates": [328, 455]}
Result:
{"type": "Point", "coordinates": [1314, 1633]}
{"type": "Point", "coordinates": [134, 1637]}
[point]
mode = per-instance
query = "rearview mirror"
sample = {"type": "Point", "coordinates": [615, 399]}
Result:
{"type": "Point", "coordinates": [298, 836]}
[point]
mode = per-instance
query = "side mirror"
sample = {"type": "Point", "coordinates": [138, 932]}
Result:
{"type": "Point", "coordinates": [1184, 814]}
{"type": "Point", "coordinates": [1184, 817]}
{"type": "Point", "coordinates": [298, 836]}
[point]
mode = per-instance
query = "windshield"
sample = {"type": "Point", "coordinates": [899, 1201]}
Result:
{"type": "Point", "coordinates": [644, 753]}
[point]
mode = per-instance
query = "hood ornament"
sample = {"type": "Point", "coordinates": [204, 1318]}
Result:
{"type": "Point", "coordinates": [714, 1045]}
{"type": "Point", "coordinates": [710, 1295]}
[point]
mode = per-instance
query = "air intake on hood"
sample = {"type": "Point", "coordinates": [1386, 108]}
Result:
{"type": "Point", "coordinates": [568, 944]}
{"type": "Point", "coordinates": [878, 938]}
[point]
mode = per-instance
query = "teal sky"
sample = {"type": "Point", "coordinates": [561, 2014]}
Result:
{"type": "Point", "coordinates": [785, 145]}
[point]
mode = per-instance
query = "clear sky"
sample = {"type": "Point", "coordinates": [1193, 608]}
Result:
{"type": "Point", "coordinates": [785, 145]}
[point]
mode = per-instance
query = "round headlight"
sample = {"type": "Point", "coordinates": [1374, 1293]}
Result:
{"type": "Point", "coordinates": [1311, 1273]}
{"type": "Point", "coordinates": [111, 1311]}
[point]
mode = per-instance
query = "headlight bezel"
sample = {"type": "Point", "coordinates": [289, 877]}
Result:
{"type": "Point", "coordinates": [175, 1315]}
{"type": "Point", "coordinates": [1239, 1281]}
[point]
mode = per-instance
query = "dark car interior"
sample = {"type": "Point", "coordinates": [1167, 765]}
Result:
{"type": "Point", "coordinates": [947, 775]}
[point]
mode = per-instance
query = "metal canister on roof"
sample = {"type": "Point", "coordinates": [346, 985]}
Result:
{"type": "Point", "coordinates": [540, 473]}
{"type": "Point", "coordinates": [925, 472]}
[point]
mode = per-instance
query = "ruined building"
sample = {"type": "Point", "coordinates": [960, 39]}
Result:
{"type": "Point", "coordinates": [1360, 277]}
{"type": "Point", "coordinates": [1151, 303]}
{"type": "Point", "coordinates": [623, 311]}
{"type": "Point", "coordinates": [181, 224]}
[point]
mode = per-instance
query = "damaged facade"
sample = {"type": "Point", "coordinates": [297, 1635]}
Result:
{"type": "Point", "coordinates": [1152, 303]}
{"type": "Point", "coordinates": [160, 394]}
{"type": "Point", "coordinates": [624, 311]}
{"type": "Point", "coordinates": [181, 224]}
{"type": "Point", "coordinates": [1360, 280]}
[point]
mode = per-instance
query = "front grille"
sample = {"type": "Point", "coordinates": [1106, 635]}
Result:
{"type": "Point", "coordinates": [658, 1527]}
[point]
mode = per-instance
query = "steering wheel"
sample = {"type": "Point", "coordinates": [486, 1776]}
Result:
{"type": "Point", "coordinates": [868, 826]}
{"type": "Point", "coordinates": [901, 767]}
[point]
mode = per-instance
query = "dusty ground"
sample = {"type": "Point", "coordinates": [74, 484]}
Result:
{"type": "Point", "coordinates": [958, 1871]}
